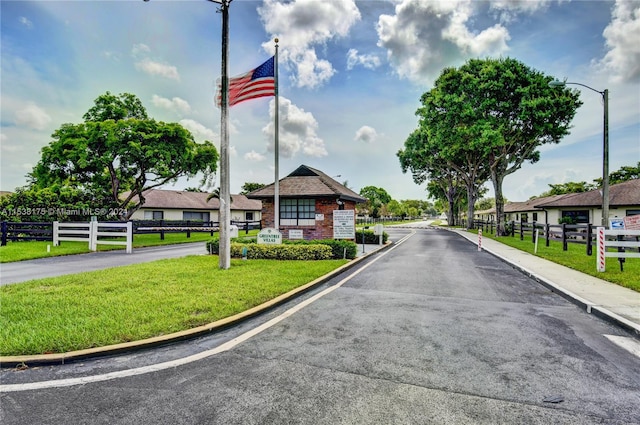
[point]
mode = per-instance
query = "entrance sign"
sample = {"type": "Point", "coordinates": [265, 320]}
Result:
{"type": "Point", "coordinates": [269, 236]}
{"type": "Point", "coordinates": [344, 224]}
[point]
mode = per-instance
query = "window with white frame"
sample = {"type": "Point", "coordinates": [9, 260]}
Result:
{"type": "Point", "coordinates": [297, 212]}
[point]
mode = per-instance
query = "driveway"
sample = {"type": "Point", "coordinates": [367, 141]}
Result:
{"type": "Point", "coordinates": [430, 331]}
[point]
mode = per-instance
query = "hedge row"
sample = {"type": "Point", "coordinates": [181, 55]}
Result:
{"type": "Point", "coordinates": [289, 250]}
{"type": "Point", "coordinates": [282, 252]}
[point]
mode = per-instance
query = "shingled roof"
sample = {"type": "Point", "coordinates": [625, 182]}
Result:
{"type": "Point", "coordinates": [307, 182]}
{"type": "Point", "coordinates": [174, 199]}
{"type": "Point", "coordinates": [620, 195]}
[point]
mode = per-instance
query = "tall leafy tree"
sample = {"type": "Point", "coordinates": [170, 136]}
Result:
{"type": "Point", "coordinates": [118, 152]}
{"type": "Point", "coordinates": [624, 174]}
{"type": "Point", "coordinates": [376, 198]}
{"type": "Point", "coordinates": [499, 110]}
{"type": "Point", "coordinates": [427, 162]}
{"type": "Point", "coordinates": [249, 187]}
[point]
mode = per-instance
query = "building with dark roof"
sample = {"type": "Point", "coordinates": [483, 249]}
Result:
{"type": "Point", "coordinates": [308, 197]}
{"type": "Point", "coordinates": [585, 207]}
{"type": "Point", "coordinates": [182, 205]}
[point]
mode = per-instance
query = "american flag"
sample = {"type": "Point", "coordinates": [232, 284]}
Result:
{"type": "Point", "coordinates": [258, 82]}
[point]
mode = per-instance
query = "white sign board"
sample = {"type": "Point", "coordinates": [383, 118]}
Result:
{"type": "Point", "coordinates": [616, 224]}
{"type": "Point", "coordinates": [344, 224]}
{"type": "Point", "coordinates": [269, 236]}
{"type": "Point", "coordinates": [296, 234]}
{"type": "Point", "coordinates": [319, 217]}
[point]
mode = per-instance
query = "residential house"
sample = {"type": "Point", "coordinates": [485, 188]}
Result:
{"type": "Point", "coordinates": [181, 205]}
{"type": "Point", "coordinates": [585, 207]}
{"type": "Point", "coordinates": [307, 199]}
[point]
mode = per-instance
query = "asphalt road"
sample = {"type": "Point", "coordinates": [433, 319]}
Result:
{"type": "Point", "coordinates": [21, 271]}
{"type": "Point", "coordinates": [430, 331]}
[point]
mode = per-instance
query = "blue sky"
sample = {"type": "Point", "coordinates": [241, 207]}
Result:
{"type": "Point", "coordinates": [351, 76]}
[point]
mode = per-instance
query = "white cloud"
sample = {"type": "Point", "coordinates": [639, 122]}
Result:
{"type": "Point", "coordinates": [199, 131]}
{"type": "Point", "coordinates": [622, 35]}
{"type": "Point", "coordinates": [33, 117]}
{"type": "Point", "coordinates": [151, 67]}
{"type": "Point", "coordinates": [254, 156]}
{"type": "Point", "coordinates": [26, 22]}
{"type": "Point", "coordinates": [422, 36]}
{"type": "Point", "coordinates": [366, 134]}
{"type": "Point", "coordinates": [368, 61]}
{"type": "Point", "coordinates": [175, 104]}
{"type": "Point", "coordinates": [297, 131]}
{"type": "Point", "coordinates": [303, 25]}
{"type": "Point", "coordinates": [509, 9]}
{"type": "Point", "coordinates": [140, 49]}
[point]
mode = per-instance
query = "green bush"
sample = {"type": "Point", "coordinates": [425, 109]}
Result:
{"type": "Point", "coordinates": [282, 252]}
{"type": "Point", "coordinates": [339, 249]}
{"type": "Point", "coordinates": [369, 237]}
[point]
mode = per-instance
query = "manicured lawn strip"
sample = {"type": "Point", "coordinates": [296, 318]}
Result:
{"type": "Point", "coordinates": [576, 258]}
{"type": "Point", "coordinates": [20, 251]}
{"type": "Point", "coordinates": [140, 301]}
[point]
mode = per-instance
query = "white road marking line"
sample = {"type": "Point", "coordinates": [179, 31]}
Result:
{"type": "Point", "coordinates": [629, 344]}
{"type": "Point", "coordinates": [193, 358]}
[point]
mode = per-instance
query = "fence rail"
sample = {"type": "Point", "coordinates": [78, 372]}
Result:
{"type": "Point", "coordinates": [565, 233]}
{"type": "Point", "coordinates": [43, 231]}
{"type": "Point", "coordinates": [31, 231]}
{"type": "Point", "coordinates": [619, 242]}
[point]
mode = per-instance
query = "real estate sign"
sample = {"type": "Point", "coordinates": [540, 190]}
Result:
{"type": "Point", "coordinates": [269, 236]}
{"type": "Point", "coordinates": [344, 224]}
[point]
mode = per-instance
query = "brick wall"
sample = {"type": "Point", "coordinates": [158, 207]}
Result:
{"type": "Point", "coordinates": [323, 229]}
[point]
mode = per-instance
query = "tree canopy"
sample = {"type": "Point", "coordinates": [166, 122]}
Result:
{"type": "Point", "coordinates": [376, 198]}
{"type": "Point", "coordinates": [485, 119]}
{"type": "Point", "coordinates": [118, 152]}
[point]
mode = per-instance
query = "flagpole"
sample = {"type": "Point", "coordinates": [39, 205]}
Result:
{"type": "Point", "coordinates": [276, 193]}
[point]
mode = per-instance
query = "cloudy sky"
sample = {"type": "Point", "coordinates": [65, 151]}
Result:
{"type": "Point", "coordinates": [351, 76]}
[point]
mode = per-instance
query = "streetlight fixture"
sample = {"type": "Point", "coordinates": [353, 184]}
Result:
{"type": "Point", "coordinates": [225, 198]}
{"type": "Point", "coordinates": [605, 146]}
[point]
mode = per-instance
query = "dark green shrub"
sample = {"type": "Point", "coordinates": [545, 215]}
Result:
{"type": "Point", "coordinates": [282, 252]}
{"type": "Point", "coordinates": [340, 248]}
{"type": "Point", "coordinates": [369, 237]}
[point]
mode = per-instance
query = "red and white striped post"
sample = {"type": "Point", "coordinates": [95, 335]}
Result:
{"type": "Point", "coordinates": [479, 239]}
{"type": "Point", "coordinates": [601, 250]}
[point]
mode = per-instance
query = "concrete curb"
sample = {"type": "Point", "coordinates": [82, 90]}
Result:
{"type": "Point", "coordinates": [589, 306]}
{"type": "Point", "coordinates": [61, 358]}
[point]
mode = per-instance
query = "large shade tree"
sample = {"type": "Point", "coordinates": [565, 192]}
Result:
{"type": "Point", "coordinates": [118, 152]}
{"type": "Point", "coordinates": [498, 110]}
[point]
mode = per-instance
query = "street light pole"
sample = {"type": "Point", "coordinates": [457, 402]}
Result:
{"type": "Point", "coordinates": [605, 146]}
{"type": "Point", "coordinates": [224, 217]}
{"type": "Point", "coordinates": [225, 198]}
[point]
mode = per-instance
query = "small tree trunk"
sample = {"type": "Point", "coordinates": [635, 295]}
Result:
{"type": "Point", "coordinates": [471, 200]}
{"type": "Point", "coordinates": [497, 188]}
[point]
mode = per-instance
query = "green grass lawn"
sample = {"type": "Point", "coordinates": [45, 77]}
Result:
{"type": "Point", "coordinates": [576, 258]}
{"type": "Point", "coordinates": [140, 301]}
{"type": "Point", "coordinates": [19, 251]}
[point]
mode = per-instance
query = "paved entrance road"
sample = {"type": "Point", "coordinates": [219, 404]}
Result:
{"type": "Point", "coordinates": [431, 331]}
{"type": "Point", "coordinates": [21, 271]}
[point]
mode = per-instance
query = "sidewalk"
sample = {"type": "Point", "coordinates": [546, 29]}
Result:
{"type": "Point", "coordinates": [609, 301]}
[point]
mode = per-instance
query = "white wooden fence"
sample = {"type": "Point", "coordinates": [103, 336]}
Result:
{"type": "Point", "coordinates": [92, 232]}
{"type": "Point", "coordinates": [603, 243]}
